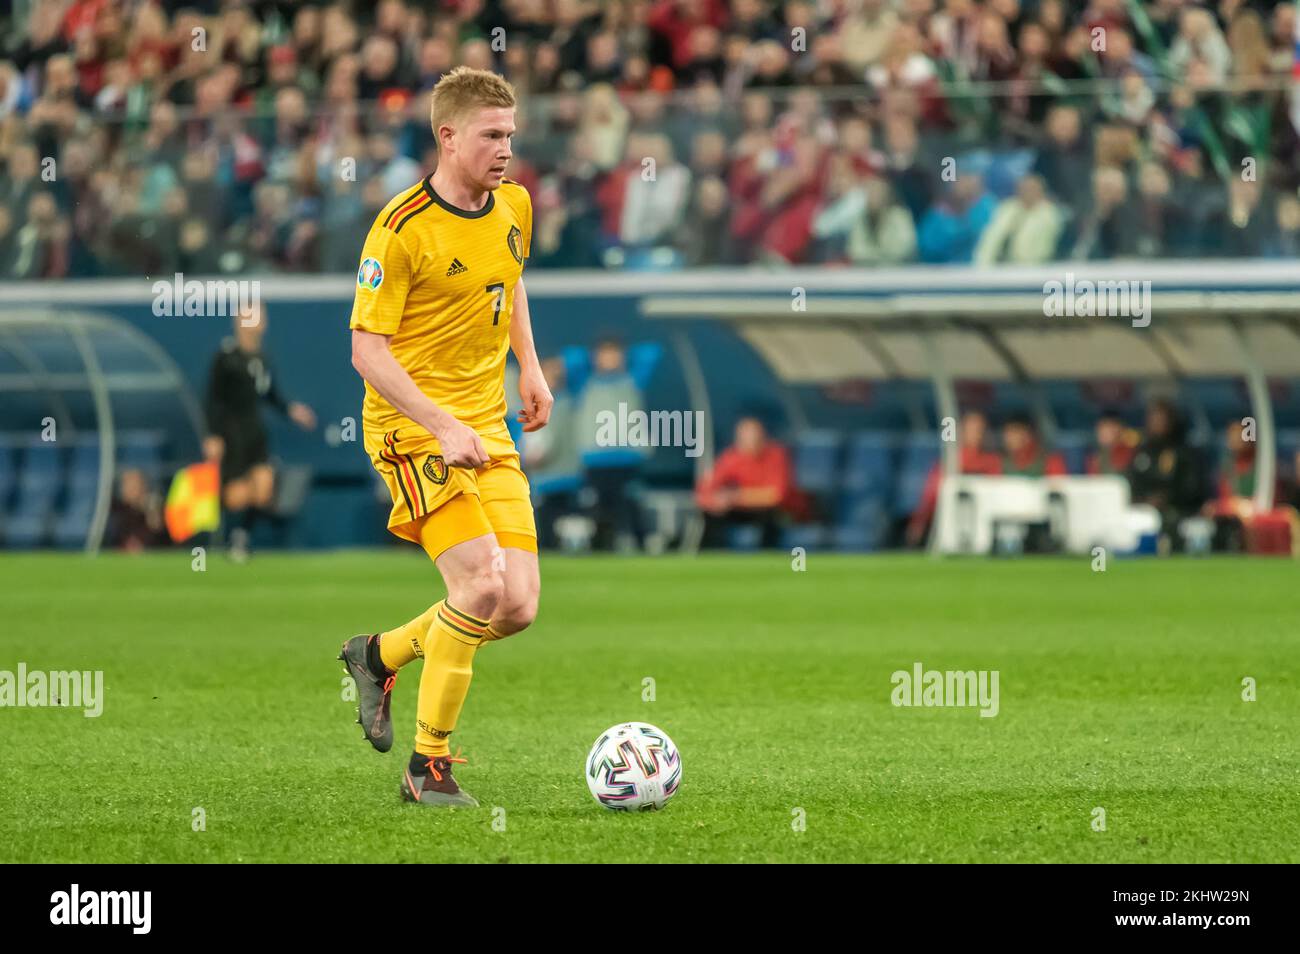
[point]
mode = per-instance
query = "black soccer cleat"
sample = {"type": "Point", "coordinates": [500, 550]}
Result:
{"type": "Point", "coordinates": [374, 693]}
{"type": "Point", "coordinates": [428, 781]}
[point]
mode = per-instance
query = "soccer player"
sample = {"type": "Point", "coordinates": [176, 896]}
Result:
{"type": "Point", "coordinates": [439, 300]}
{"type": "Point", "coordinates": [240, 380]}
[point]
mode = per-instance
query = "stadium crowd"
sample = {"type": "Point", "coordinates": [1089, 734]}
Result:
{"type": "Point", "coordinates": [234, 136]}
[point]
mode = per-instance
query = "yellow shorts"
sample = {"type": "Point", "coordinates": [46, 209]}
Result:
{"type": "Point", "coordinates": [439, 506]}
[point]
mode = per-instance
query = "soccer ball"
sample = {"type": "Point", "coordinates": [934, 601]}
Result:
{"type": "Point", "coordinates": [633, 767]}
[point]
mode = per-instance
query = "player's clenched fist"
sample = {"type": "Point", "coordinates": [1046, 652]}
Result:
{"type": "Point", "coordinates": [460, 445]}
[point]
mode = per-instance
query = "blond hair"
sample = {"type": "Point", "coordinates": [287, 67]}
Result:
{"type": "Point", "coordinates": [465, 89]}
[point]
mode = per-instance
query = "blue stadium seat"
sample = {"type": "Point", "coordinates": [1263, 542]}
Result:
{"type": "Point", "coordinates": [920, 454]}
{"type": "Point", "coordinates": [817, 461]}
{"type": "Point", "coordinates": [40, 482]}
{"type": "Point", "coordinates": [810, 536]}
{"type": "Point", "coordinates": [71, 526]}
{"type": "Point", "coordinates": [863, 523]}
{"type": "Point", "coordinates": [870, 462]}
{"type": "Point", "coordinates": [1224, 400]}
{"type": "Point", "coordinates": [1074, 447]}
{"type": "Point", "coordinates": [8, 474]}
{"type": "Point", "coordinates": [1069, 405]}
{"type": "Point", "coordinates": [42, 459]}
{"type": "Point", "coordinates": [83, 468]}
{"type": "Point", "coordinates": [1288, 443]}
{"type": "Point", "coordinates": [744, 539]}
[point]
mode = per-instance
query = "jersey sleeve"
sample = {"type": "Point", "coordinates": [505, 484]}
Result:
{"type": "Point", "coordinates": [526, 213]}
{"type": "Point", "coordinates": [383, 281]}
{"type": "Point", "coordinates": [528, 227]}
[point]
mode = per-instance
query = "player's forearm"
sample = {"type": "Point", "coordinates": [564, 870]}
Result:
{"type": "Point", "coordinates": [375, 363]}
{"type": "Point", "coordinates": [521, 331]}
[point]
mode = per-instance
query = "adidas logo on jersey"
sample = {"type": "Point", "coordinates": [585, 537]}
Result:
{"type": "Point", "coordinates": [457, 267]}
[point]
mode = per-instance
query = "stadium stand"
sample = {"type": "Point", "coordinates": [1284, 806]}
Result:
{"type": "Point", "coordinates": [229, 154]}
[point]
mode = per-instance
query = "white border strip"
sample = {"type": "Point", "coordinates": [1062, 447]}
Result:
{"type": "Point", "coordinates": [1208, 275]}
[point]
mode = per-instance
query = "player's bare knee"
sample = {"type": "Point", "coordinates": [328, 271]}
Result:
{"type": "Point", "coordinates": [479, 593]}
{"type": "Point", "coordinates": [515, 613]}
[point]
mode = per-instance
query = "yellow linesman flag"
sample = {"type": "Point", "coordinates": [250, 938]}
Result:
{"type": "Point", "coordinates": [194, 501]}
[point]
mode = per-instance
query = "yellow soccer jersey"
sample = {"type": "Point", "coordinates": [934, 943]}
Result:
{"type": "Point", "coordinates": [441, 281]}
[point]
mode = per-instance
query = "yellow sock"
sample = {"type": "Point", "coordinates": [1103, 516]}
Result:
{"type": "Point", "coordinates": [490, 634]}
{"type": "Point", "coordinates": [448, 667]}
{"type": "Point", "coordinates": [399, 646]}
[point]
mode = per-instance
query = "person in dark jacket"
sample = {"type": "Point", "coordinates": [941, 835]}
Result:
{"type": "Point", "coordinates": [240, 380]}
{"type": "Point", "coordinates": [1166, 471]}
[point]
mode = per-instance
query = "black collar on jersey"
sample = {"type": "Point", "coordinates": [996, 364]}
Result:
{"type": "Point", "coordinates": [463, 213]}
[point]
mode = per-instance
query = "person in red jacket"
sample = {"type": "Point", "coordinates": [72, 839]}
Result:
{"type": "Point", "coordinates": [1238, 524]}
{"type": "Point", "coordinates": [973, 459]}
{"type": "Point", "coordinates": [1023, 455]}
{"type": "Point", "coordinates": [752, 483]}
{"type": "Point", "coordinates": [1116, 445]}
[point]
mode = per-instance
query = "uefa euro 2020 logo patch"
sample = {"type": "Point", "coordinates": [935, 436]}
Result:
{"type": "Point", "coordinates": [370, 274]}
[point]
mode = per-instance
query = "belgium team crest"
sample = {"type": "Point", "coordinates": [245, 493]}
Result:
{"type": "Point", "coordinates": [514, 238]}
{"type": "Point", "coordinates": [435, 468]}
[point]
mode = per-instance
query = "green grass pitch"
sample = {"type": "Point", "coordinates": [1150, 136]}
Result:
{"type": "Point", "coordinates": [1120, 690]}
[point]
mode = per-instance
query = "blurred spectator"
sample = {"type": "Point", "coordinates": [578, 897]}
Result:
{"type": "Point", "coordinates": [609, 471]}
{"type": "Point", "coordinates": [22, 179]}
{"type": "Point", "coordinates": [1233, 507]}
{"type": "Point", "coordinates": [129, 111]}
{"type": "Point", "coordinates": [1249, 51]}
{"type": "Point", "coordinates": [42, 242]}
{"type": "Point", "coordinates": [1287, 243]}
{"type": "Point", "coordinates": [704, 237]}
{"type": "Point", "coordinates": [866, 33]}
{"type": "Point", "coordinates": [972, 458]}
{"type": "Point", "coordinates": [1199, 198]}
{"type": "Point", "coordinates": [1235, 483]}
{"type": "Point", "coordinates": [951, 228]}
{"type": "Point", "coordinates": [751, 485]}
{"type": "Point", "coordinates": [135, 519]}
{"type": "Point", "coordinates": [1164, 229]}
{"type": "Point", "coordinates": [1201, 41]}
{"type": "Point", "coordinates": [1245, 225]}
{"type": "Point", "coordinates": [883, 233]}
{"type": "Point", "coordinates": [845, 203]}
{"type": "Point", "coordinates": [904, 66]}
{"type": "Point", "coordinates": [8, 242]}
{"type": "Point", "coordinates": [1119, 59]}
{"type": "Point", "coordinates": [1116, 445]}
{"type": "Point", "coordinates": [1109, 229]}
{"type": "Point", "coordinates": [655, 197]}
{"type": "Point", "coordinates": [905, 167]}
{"type": "Point", "coordinates": [1165, 472]}
{"type": "Point", "coordinates": [1024, 229]}
{"type": "Point", "coordinates": [1134, 102]}
{"type": "Point", "coordinates": [1065, 161]}
{"type": "Point", "coordinates": [1022, 453]}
